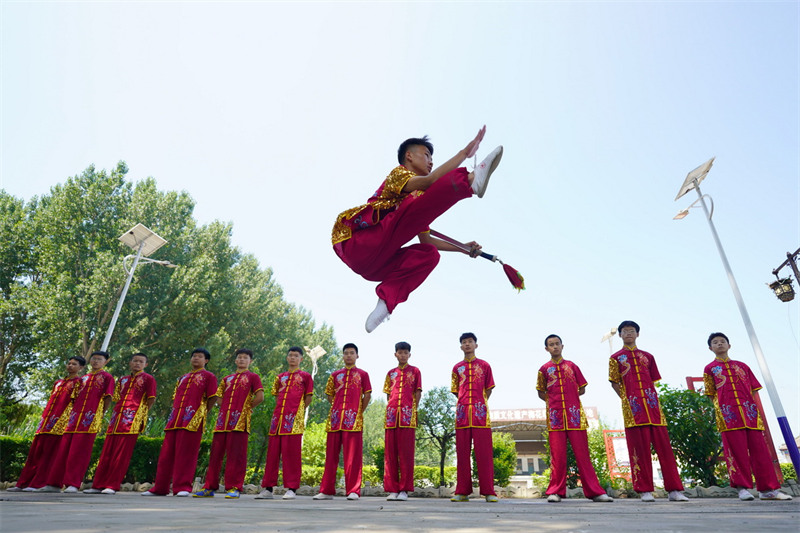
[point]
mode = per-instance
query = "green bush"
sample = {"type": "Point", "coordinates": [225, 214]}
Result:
{"type": "Point", "coordinates": [787, 469]}
{"type": "Point", "coordinates": [13, 452]}
{"type": "Point", "coordinates": [370, 474]}
{"type": "Point", "coordinates": [312, 475]}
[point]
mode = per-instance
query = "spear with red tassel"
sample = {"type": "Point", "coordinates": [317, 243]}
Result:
{"type": "Point", "coordinates": [512, 274]}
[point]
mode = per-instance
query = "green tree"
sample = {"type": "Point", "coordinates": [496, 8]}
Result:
{"type": "Point", "coordinates": [504, 453]}
{"type": "Point", "coordinates": [436, 424]}
{"type": "Point", "coordinates": [693, 433]}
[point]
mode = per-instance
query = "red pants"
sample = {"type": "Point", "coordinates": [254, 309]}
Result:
{"type": "Point", "coordinates": [481, 439]}
{"type": "Point", "coordinates": [73, 457]}
{"type": "Point", "coordinates": [232, 446]}
{"type": "Point", "coordinates": [639, 439]}
{"type": "Point", "coordinates": [558, 463]}
{"type": "Point", "coordinates": [377, 253]}
{"type": "Point", "coordinates": [746, 455]}
{"type": "Point", "coordinates": [177, 461]}
{"type": "Point", "coordinates": [398, 460]}
{"type": "Point", "coordinates": [114, 461]}
{"type": "Point", "coordinates": [286, 449]}
{"type": "Point", "coordinates": [352, 444]}
{"type": "Point", "coordinates": [40, 456]}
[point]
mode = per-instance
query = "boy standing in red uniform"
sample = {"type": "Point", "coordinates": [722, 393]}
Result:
{"type": "Point", "coordinates": [349, 392]}
{"type": "Point", "coordinates": [195, 394]}
{"type": "Point", "coordinates": [75, 449]}
{"type": "Point", "coordinates": [633, 374]}
{"type": "Point", "coordinates": [472, 383]}
{"type": "Point", "coordinates": [403, 387]}
{"type": "Point", "coordinates": [731, 385]}
{"type": "Point", "coordinates": [50, 429]}
{"type": "Point", "coordinates": [237, 396]}
{"type": "Point", "coordinates": [134, 395]}
{"type": "Point", "coordinates": [370, 238]}
{"type": "Point", "coordinates": [560, 384]}
{"type": "Point", "coordinates": [293, 391]}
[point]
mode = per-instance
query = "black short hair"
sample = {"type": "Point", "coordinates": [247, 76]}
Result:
{"type": "Point", "coordinates": [408, 143]}
{"type": "Point", "coordinates": [244, 350]}
{"type": "Point", "coordinates": [552, 336]}
{"type": "Point", "coordinates": [628, 324]}
{"type": "Point", "coordinates": [202, 351]}
{"type": "Point", "coordinates": [104, 354]}
{"type": "Point", "coordinates": [295, 349]}
{"type": "Point", "coordinates": [350, 345]}
{"type": "Point", "coordinates": [140, 354]}
{"type": "Point", "coordinates": [402, 345]}
{"type": "Point", "coordinates": [467, 335]}
{"type": "Point", "coordinates": [717, 334]}
{"type": "Point", "coordinates": [81, 361]}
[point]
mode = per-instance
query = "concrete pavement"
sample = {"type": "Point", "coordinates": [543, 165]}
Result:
{"type": "Point", "coordinates": [125, 511]}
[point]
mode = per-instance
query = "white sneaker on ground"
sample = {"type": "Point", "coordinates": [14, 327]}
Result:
{"type": "Point", "coordinates": [391, 497]}
{"type": "Point", "coordinates": [647, 497]}
{"type": "Point", "coordinates": [677, 496]}
{"type": "Point", "coordinates": [402, 496]}
{"type": "Point", "coordinates": [352, 496]}
{"type": "Point", "coordinates": [148, 493]}
{"type": "Point", "coordinates": [323, 496]}
{"type": "Point", "coordinates": [107, 491]}
{"type": "Point", "coordinates": [745, 495]}
{"type": "Point", "coordinates": [554, 498]}
{"type": "Point", "coordinates": [265, 494]}
{"type": "Point", "coordinates": [182, 494]}
{"type": "Point", "coordinates": [288, 495]}
{"type": "Point", "coordinates": [30, 489]}
{"type": "Point", "coordinates": [484, 171]}
{"type": "Point", "coordinates": [602, 498]}
{"type": "Point", "coordinates": [49, 488]}
{"type": "Point", "coordinates": [774, 495]}
{"type": "Point", "coordinates": [378, 315]}
{"type": "Point", "coordinates": [71, 489]}
{"type": "Point", "coordinates": [92, 491]}
{"type": "Point", "coordinates": [14, 489]}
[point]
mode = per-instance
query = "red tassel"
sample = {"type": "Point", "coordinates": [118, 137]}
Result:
{"type": "Point", "coordinates": [514, 277]}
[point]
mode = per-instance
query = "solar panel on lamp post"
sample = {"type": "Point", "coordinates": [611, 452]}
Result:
{"type": "Point", "coordinates": [692, 181]}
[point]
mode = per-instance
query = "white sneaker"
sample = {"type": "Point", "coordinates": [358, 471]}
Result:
{"type": "Point", "coordinates": [603, 498]}
{"type": "Point", "coordinates": [14, 489]}
{"type": "Point", "coordinates": [92, 491]}
{"type": "Point", "coordinates": [402, 496]}
{"type": "Point", "coordinates": [323, 496]}
{"type": "Point", "coordinates": [148, 493]}
{"type": "Point", "coordinates": [677, 496]}
{"type": "Point", "coordinates": [352, 496]}
{"type": "Point", "coordinates": [378, 315]}
{"type": "Point", "coordinates": [774, 495]}
{"type": "Point", "coordinates": [49, 488]}
{"type": "Point", "coordinates": [647, 497]}
{"type": "Point", "coordinates": [289, 495]}
{"type": "Point", "coordinates": [107, 491]}
{"type": "Point", "coordinates": [71, 489]}
{"type": "Point", "coordinates": [265, 494]}
{"type": "Point", "coordinates": [745, 495]}
{"type": "Point", "coordinates": [183, 494]}
{"type": "Point", "coordinates": [392, 497]}
{"type": "Point", "coordinates": [30, 489]}
{"type": "Point", "coordinates": [554, 498]}
{"type": "Point", "coordinates": [484, 171]}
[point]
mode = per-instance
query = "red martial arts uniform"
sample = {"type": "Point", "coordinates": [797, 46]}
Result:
{"type": "Point", "coordinates": [48, 434]}
{"type": "Point", "coordinates": [177, 461]}
{"type": "Point", "coordinates": [128, 420]}
{"type": "Point", "coordinates": [470, 381]}
{"type": "Point", "coordinates": [232, 430]}
{"type": "Point", "coordinates": [731, 385]}
{"type": "Point", "coordinates": [566, 420]}
{"type": "Point", "coordinates": [636, 373]}
{"type": "Point", "coordinates": [345, 425]}
{"type": "Point", "coordinates": [286, 429]}
{"type": "Point", "coordinates": [75, 449]}
{"type": "Point", "coordinates": [402, 384]}
{"type": "Point", "coordinates": [370, 238]}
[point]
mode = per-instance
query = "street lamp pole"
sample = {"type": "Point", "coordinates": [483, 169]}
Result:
{"type": "Point", "coordinates": [121, 300]}
{"type": "Point", "coordinates": [693, 182]}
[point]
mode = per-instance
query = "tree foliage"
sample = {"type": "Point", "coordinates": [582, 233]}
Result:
{"type": "Point", "coordinates": [693, 433]}
{"type": "Point", "coordinates": [436, 424]}
{"type": "Point", "coordinates": [61, 276]}
{"type": "Point", "coordinates": [504, 454]}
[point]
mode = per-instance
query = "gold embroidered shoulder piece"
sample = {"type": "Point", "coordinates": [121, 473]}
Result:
{"type": "Point", "coordinates": [391, 195]}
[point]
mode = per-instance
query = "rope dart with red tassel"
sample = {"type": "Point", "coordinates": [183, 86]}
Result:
{"type": "Point", "coordinates": [513, 275]}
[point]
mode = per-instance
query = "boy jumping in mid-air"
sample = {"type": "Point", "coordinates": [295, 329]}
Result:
{"type": "Point", "coordinates": [370, 238]}
{"type": "Point", "coordinates": [731, 385]}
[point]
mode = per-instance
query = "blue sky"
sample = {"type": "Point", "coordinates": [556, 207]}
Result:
{"type": "Point", "coordinates": [277, 116]}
